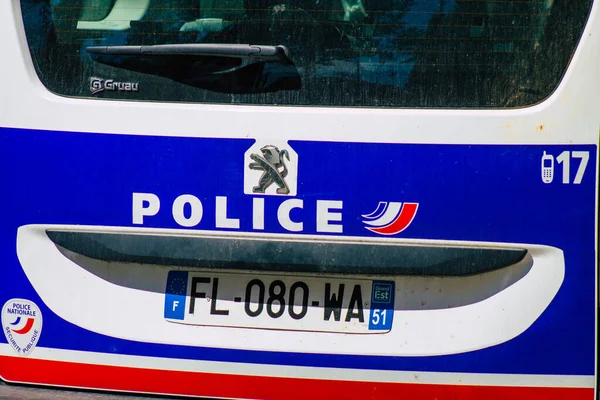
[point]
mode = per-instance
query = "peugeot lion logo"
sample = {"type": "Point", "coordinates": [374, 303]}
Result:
{"type": "Point", "coordinates": [272, 164]}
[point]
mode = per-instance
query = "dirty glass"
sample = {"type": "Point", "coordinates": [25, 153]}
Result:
{"type": "Point", "coordinates": [356, 53]}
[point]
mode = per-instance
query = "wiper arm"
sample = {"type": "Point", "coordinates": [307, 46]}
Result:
{"type": "Point", "coordinates": [266, 53]}
{"type": "Point", "coordinates": [226, 68]}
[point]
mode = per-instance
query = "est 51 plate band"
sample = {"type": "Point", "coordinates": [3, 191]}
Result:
{"type": "Point", "coordinates": [295, 303]}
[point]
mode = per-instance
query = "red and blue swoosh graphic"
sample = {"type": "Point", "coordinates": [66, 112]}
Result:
{"type": "Point", "coordinates": [23, 329]}
{"type": "Point", "coordinates": [390, 218]}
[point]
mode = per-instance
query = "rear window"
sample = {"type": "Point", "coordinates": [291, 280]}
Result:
{"type": "Point", "coordinates": [356, 53]}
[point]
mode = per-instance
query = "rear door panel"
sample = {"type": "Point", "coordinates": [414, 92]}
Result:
{"type": "Point", "coordinates": [524, 330]}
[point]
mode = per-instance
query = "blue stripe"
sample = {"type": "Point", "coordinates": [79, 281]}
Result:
{"type": "Point", "coordinates": [175, 294]}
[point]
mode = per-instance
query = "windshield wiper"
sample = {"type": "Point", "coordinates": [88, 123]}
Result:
{"type": "Point", "coordinates": [266, 53]}
{"type": "Point", "coordinates": [225, 68]}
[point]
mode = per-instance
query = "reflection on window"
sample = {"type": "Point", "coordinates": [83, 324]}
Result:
{"type": "Point", "coordinates": [388, 53]}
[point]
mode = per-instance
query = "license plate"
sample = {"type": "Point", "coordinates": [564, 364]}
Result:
{"type": "Point", "coordinates": [295, 303]}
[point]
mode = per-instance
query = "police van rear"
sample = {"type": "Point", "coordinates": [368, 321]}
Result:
{"type": "Point", "coordinates": [293, 199]}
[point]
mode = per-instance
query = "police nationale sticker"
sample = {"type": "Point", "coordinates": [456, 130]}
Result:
{"type": "Point", "coordinates": [22, 325]}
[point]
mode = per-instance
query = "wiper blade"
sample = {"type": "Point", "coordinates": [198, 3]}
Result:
{"type": "Point", "coordinates": [266, 53]}
{"type": "Point", "coordinates": [225, 68]}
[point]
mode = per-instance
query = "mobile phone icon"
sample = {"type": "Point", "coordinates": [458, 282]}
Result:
{"type": "Point", "coordinates": [547, 168]}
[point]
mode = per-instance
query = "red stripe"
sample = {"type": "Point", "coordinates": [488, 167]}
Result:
{"type": "Point", "coordinates": [28, 370]}
{"type": "Point", "coordinates": [404, 219]}
{"type": "Point", "coordinates": [27, 327]}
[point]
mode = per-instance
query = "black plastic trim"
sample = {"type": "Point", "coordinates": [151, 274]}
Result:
{"type": "Point", "coordinates": [262, 254]}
